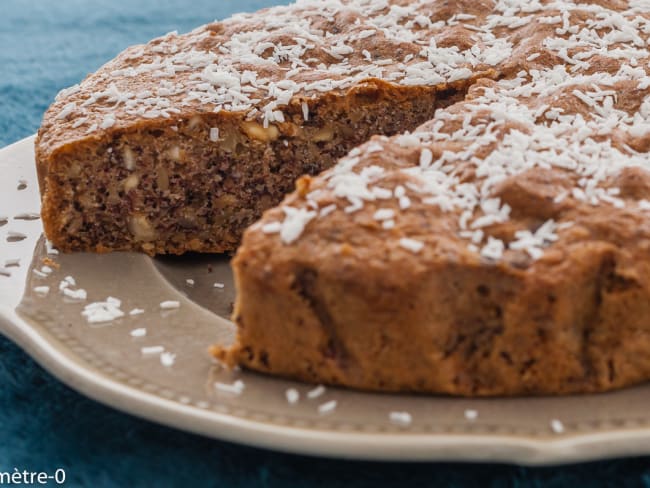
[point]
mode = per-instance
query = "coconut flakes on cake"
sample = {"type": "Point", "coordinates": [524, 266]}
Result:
{"type": "Point", "coordinates": [297, 58]}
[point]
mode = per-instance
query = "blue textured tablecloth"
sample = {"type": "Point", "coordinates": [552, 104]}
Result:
{"type": "Point", "coordinates": [45, 46]}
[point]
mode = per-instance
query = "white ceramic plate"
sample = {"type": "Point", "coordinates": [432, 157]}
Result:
{"type": "Point", "coordinates": [105, 362]}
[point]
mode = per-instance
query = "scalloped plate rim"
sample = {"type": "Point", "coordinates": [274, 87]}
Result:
{"type": "Point", "coordinates": [377, 446]}
{"type": "Point", "coordinates": [71, 370]}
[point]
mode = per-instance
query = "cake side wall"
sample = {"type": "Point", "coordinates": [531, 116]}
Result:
{"type": "Point", "coordinates": [380, 318]}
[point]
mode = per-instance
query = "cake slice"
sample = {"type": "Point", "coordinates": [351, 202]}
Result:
{"type": "Point", "coordinates": [503, 248]}
{"type": "Point", "coordinates": [430, 263]}
{"type": "Point", "coordinates": [179, 144]}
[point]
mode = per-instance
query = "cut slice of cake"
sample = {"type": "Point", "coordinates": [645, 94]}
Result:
{"type": "Point", "coordinates": [503, 248]}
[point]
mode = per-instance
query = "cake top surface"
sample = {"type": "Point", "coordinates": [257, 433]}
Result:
{"type": "Point", "coordinates": [506, 172]}
{"type": "Point", "coordinates": [256, 64]}
{"type": "Point", "coordinates": [521, 163]}
{"type": "Point", "coordinates": [561, 123]}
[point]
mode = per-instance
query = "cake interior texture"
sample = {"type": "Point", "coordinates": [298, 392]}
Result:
{"type": "Point", "coordinates": [164, 189]}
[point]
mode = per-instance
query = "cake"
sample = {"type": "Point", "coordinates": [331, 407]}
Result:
{"type": "Point", "coordinates": [473, 215]}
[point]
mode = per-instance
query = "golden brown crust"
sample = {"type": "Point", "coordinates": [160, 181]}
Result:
{"type": "Point", "coordinates": [357, 310]}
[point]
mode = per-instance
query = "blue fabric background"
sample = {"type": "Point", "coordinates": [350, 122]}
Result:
{"type": "Point", "coordinates": [45, 46]}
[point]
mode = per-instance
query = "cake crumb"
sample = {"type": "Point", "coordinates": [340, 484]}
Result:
{"type": "Point", "coordinates": [50, 262]}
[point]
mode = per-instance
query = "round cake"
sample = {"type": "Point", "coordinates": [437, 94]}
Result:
{"type": "Point", "coordinates": [474, 216]}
